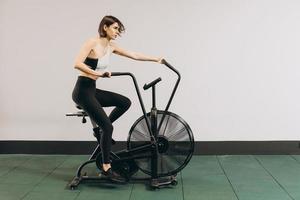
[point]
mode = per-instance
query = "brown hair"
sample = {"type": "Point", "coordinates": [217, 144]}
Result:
{"type": "Point", "coordinates": [109, 20]}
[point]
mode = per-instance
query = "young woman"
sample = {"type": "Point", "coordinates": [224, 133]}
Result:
{"type": "Point", "coordinates": [92, 62]}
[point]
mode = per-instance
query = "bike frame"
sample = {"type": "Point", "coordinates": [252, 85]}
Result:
{"type": "Point", "coordinates": [141, 100]}
{"type": "Point", "coordinates": [152, 125]}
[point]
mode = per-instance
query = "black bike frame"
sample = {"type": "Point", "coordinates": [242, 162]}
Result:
{"type": "Point", "coordinates": [172, 94]}
{"type": "Point", "coordinates": [139, 96]}
{"type": "Point", "coordinates": [141, 100]}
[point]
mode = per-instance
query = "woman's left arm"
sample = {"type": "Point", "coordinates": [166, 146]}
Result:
{"type": "Point", "coordinates": [134, 55]}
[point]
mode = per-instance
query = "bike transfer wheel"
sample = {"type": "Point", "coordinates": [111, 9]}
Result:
{"type": "Point", "coordinates": [175, 143]}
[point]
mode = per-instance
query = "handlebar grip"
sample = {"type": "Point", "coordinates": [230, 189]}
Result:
{"type": "Point", "coordinates": [147, 86]}
{"type": "Point", "coordinates": [167, 64]}
{"type": "Point", "coordinates": [117, 74]}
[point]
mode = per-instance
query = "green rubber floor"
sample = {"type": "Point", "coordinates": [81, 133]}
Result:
{"type": "Point", "coordinates": [246, 177]}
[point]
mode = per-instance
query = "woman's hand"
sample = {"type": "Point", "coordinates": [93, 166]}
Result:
{"type": "Point", "coordinates": [160, 60]}
{"type": "Point", "coordinates": [106, 75]}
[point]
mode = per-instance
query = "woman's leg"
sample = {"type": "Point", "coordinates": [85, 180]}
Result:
{"type": "Point", "coordinates": [107, 99]}
{"type": "Point", "coordinates": [98, 115]}
{"type": "Point", "coordinates": [84, 96]}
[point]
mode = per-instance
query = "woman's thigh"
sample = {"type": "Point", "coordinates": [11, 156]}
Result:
{"type": "Point", "coordinates": [107, 99]}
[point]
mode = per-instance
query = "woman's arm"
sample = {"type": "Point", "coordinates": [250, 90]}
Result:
{"type": "Point", "coordinates": [83, 53]}
{"type": "Point", "coordinates": [134, 55]}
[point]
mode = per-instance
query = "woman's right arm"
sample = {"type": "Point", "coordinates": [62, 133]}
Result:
{"type": "Point", "coordinates": [83, 53]}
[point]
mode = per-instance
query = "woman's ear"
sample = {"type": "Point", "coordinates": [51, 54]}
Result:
{"type": "Point", "coordinates": [105, 27]}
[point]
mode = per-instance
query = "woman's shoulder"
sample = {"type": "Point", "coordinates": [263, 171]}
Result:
{"type": "Point", "coordinates": [91, 41]}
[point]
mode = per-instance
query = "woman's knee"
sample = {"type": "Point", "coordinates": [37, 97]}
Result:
{"type": "Point", "coordinates": [127, 103]}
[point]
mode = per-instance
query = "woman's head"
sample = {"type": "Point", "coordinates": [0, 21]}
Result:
{"type": "Point", "coordinates": [110, 27]}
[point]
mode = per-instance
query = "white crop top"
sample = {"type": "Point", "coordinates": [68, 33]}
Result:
{"type": "Point", "coordinates": [103, 62]}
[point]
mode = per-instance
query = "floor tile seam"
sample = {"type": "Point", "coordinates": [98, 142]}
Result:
{"type": "Point", "coordinates": [298, 161]}
{"type": "Point", "coordinates": [16, 184]}
{"type": "Point", "coordinates": [253, 169]}
{"type": "Point", "coordinates": [25, 161]}
{"type": "Point", "coordinates": [77, 196]}
{"type": "Point", "coordinates": [277, 182]}
{"type": "Point", "coordinates": [63, 162]}
{"type": "Point", "coordinates": [131, 191]}
{"type": "Point", "coordinates": [60, 195]}
{"type": "Point", "coordinates": [290, 156]}
{"type": "Point", "coordinates": [209, 174]}
{"type": "Point", "coordinates": [48, 174]}
{"type": "Point", "coordinates": [34, 186]}
{"type": "Point", "coordinates": [219, 162]}
{"type": "Point", "coordinates": [292, 166]}
{"type": "Point", "coordinates": [15, 167]}
{"type": "Point", "coordinates": [66, 158]}
{"type": "Point", "coordinates": [182, 188]}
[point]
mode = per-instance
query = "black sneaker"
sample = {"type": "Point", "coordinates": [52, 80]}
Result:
{"type": "Point", "coordinates": [113, 176]}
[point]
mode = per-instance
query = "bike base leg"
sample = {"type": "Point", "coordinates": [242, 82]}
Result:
{"type": "Point", "coordinates": [163, 181]}
{"type": "Point", "coordinates": [75, 182]}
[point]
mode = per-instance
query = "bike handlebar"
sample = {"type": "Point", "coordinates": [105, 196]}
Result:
{"type": "Point", "coordinates": [163, 62]}
{"type": "Point", "coordinates": [147, 86]}
{"type": "Point", "coordinates": [170, 66]}
{"type": "Point", "coordinates": [120, 74]}
{"type": "Point", "coordinates": [155, 81]}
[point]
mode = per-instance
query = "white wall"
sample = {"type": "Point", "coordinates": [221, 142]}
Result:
{"type": "Point", "coordinates": [239, 61]}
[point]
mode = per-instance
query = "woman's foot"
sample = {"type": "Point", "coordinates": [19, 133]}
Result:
{"type": "Point", "coordinates": [112, 175]}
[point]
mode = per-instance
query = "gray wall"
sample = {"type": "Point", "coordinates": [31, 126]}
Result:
{"type": "Point", "coordinates": [238, 58]}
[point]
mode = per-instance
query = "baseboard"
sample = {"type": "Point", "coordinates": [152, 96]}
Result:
{"type": "Point", "coordinates": [201, 147]}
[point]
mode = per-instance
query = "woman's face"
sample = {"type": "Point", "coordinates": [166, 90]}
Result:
{"type": "Point", "coordinates": [112, 31]}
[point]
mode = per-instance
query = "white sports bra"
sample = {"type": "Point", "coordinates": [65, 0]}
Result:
{"type": "Point", "coordinates": [103, 62]}
{"type": "Point", "coordinates": [100, 64]}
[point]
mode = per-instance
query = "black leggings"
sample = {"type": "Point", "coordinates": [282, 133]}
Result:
{"type": "Point", "coordinates": [92, 101]}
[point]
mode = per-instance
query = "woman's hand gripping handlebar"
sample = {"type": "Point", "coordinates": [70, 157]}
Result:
{"type": "Point", "coordinates": [106, 75]}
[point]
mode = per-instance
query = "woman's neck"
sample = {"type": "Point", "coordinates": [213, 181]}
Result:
{"type": "Point", "coordinates": [104, 41]}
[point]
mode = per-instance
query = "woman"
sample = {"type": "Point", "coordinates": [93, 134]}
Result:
{"type": "Point", "coordinates": [92, 62]}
